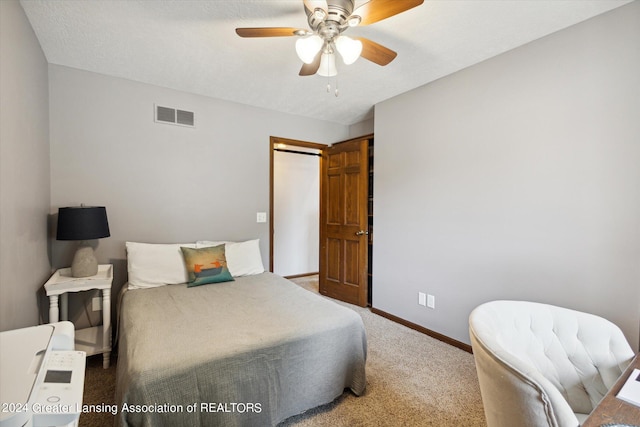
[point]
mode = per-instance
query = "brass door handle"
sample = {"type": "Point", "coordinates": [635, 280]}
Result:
{"type": "Point", "coordinates": [361, 232]}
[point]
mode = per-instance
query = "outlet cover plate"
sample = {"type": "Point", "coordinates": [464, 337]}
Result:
{"type": "Point", "coordinates": [431, 301]}
{"type": "Point", "coordinates": [422, 298]}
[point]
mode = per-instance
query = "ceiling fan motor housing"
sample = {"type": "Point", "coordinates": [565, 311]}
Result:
{"type": "Point", "coordinates": [338, 11]}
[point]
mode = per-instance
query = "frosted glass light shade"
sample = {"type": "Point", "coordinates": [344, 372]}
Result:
{"type": "Point", "coordinates": [349, 49]}
{"type": "Point", "coordinates": [308, 48]}
{"type": "Point", "coordinates": [327, 65]}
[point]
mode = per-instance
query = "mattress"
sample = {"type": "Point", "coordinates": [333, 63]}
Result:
{"type": "Point", "coordinates": [250, 352]}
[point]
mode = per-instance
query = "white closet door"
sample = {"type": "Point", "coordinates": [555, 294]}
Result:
{"type": "Point", "coordinates": [296, 213]}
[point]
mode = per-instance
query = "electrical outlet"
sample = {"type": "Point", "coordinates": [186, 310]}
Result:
{"type": "Point", "coordinates": [422, 299]}
{"type": "Point", "coordinates": [431, 301]}
{"type": "Point", "coordinates": [261, 217]}
{"type": "Point", "coordinates": [96, 304]}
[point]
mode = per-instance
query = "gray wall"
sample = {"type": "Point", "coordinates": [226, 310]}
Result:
{"type": "Point", "coordinates": [24, 169]}
{"type": "Point", "coordinates": [517, 178]}
{"type": "Point", "coordinates": [162, 183]}
{"type": "Point", "coordinates": [362, 128]}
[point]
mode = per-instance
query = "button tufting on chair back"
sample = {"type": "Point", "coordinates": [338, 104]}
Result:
{"type": "Point", "coordinates": [541, 365]}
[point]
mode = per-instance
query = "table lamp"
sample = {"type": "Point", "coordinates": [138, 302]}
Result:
{"type": "Point", "coordinates": [83, 223]}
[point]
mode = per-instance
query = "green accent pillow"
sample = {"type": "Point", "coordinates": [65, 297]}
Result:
{"type": "Point", "coordinates": [206, 265]}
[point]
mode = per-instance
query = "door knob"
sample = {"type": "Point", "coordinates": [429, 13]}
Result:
{"type": "Point", "coordinates": [361, 232]}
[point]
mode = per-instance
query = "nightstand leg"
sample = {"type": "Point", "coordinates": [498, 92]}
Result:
{"type": "Point", "coordinates": [53, 308]}
{"type": "Point", "coordinates": [64, 306]}
{"type": "Point", "coordinates": [106, 327]}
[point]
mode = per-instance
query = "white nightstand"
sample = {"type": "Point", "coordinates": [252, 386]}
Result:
{"type": "Point", "coordinates": [94, 340]}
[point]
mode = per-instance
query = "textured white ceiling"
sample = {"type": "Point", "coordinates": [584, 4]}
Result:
{"type": "Point", "coordinates": [192, 46]}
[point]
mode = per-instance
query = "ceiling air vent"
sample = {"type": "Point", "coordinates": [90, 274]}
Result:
{"type": "Point", "coordinates": [174, 116]}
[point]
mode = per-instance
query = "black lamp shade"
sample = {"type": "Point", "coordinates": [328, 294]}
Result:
{"type": "Point", "coordinates": [82, 223]}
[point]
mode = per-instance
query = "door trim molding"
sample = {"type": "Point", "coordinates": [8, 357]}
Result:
{"type": "Point", "coordinates": [273, 141]}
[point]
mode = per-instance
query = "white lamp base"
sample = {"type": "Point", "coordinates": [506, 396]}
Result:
{"type": "Point", "coordinates": [84, 262]}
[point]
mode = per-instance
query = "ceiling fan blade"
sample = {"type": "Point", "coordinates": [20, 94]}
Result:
{"type": "Point", "coordinates": [311, 5]}
{"type": "Point", "coordinates": [269, 32]}
{"type": "Point", "coordinates": [311, 69]}
{"type": "Point", "coordinates": [377, 10]}
{"type": "Point", "coordinates": [375, 52]}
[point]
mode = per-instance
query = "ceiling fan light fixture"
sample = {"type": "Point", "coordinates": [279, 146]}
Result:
{"type": "Point", "coordinates": [349, 49]}
{"type": "Point", "coordinates": [308, 48]}
{"type": "Point", "coordinates": [327, 65]}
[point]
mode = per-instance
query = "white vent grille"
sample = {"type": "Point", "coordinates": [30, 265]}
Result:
{"type": "Point", "coordinates": [174, 116]}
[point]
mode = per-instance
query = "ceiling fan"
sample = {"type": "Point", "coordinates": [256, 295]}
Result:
{"type": "Point", "coordinates": [328, 19]}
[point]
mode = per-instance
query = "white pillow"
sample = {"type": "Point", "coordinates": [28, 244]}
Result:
{"type": "Point", "coordinates": [151, 265]}
{"type": "Point", "coordinates": [208, 243]}
{"type": "Point", "coordinates": [243, 258]}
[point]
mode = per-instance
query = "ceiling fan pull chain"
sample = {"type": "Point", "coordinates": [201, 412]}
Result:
{"type": "Point", "coordinates": [328, 79]}
{"type": "Point", "coordinates": [337, 92]}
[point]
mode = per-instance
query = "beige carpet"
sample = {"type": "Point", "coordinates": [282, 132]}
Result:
{"type": "Point", "coordinates": [412, 380]}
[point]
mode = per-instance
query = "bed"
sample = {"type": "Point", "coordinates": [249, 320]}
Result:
{"type": "Point", "coordinates": [248, 352]}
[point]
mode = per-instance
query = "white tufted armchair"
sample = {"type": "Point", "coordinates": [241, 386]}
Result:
{"type": "Point", "coordinates": [541, 365]}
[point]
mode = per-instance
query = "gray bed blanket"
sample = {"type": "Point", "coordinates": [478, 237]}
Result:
{"type": "Point", "coordinates": [251, 352]}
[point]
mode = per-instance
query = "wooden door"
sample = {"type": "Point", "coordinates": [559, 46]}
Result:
{"type": "Point", "coordinates": [343, 222]}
